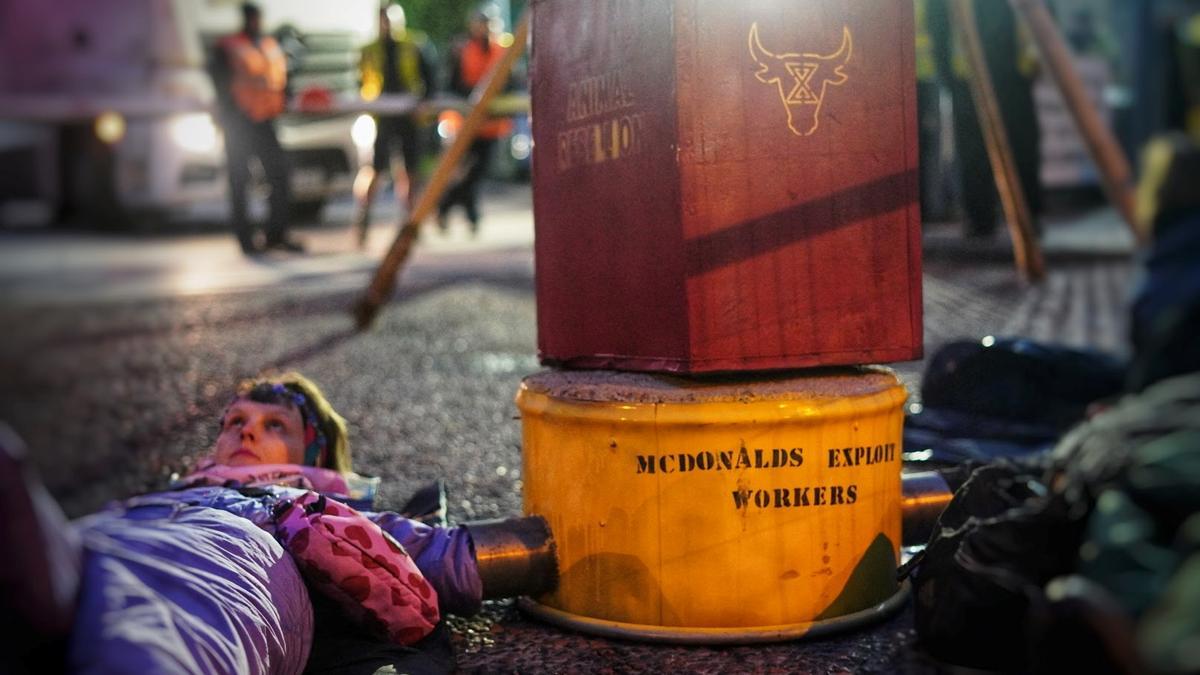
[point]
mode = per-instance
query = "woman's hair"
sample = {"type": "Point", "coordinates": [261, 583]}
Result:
{"type": "Point", "coordinates": [326, 441]}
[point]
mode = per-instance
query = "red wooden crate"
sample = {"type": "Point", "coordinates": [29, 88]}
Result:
{"type": "Point", "coordinates": [725, 185]}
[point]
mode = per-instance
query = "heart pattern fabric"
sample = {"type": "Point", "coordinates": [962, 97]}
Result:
{"type": "Point", "coordinates": [351, 560]}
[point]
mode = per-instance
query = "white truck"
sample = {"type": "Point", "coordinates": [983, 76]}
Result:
{"type": "Point", "coordinates": [106, 108]}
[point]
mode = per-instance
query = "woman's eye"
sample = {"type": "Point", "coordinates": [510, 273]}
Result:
{"type": "Point", "coordinates": [276, 425]}
{"type": "Point", "coordinates": [233, 422]}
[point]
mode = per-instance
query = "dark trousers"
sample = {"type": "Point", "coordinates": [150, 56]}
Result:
{"type": "Point", "coordinates": [978, 184]}
{"type": "Point", "coordinates": [929, 127]}
{"type": "Point", "coordinates": [245, 139]}
{"type": "Point", "coordinates": [980, 200]}
{"type": "Point", "coordinates": [1014, 94]}
{"type": "Point", "coordinates": [341, 647]}
{"type": "Point", "coordinates": [1021, 122]}
{"type": "Point", "coordinates": [396, 134]}
{"type": "Point", "coordinates": [466, 190]}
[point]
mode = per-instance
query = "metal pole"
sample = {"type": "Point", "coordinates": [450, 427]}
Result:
{"type": "Point", "coordinates": [518, 556]}
{"type": "Point", "coordinates": [923, 498]}
{"type": "Point", "coordinates": [515, 556]}
{"type": "Point", "coordinates": [1102, 144]}
{"type": "Point", "coordinates": [367, 306]}
{"type": "Point", "coordinates": [1016, 210]}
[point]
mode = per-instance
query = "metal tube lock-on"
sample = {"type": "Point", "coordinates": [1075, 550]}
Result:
{"type": "Point", "coordinates": [515, 556]}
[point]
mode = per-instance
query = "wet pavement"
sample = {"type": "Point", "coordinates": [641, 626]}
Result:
{"type": "Point", "coordinates": [51, 265]}
{"type": "Point", "coordinates": [115, 380]}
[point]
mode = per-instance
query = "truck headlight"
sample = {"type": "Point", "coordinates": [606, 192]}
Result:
{"type": "Point", "coordinates": [521, 146]}
{"type": "Point", "coordinates": [363, 132]}
{"type": "Point", "coordinates": [194, 132]}
{"type": "Point", "coordinates": [109, 127]}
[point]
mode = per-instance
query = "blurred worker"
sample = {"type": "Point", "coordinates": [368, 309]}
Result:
{"type": "Point", "coordinates": [1012, 66]}
{"type": "Point", "coordinates": [398, 62]}
{"type": "Point", "coordinates": [1186, 45]}
{"type": "Point", "coordinates": [249, 71]}
{"type": "Point", "coordinates": [934, 196]}
{"type": "Point", "coordinates": [472, 57]}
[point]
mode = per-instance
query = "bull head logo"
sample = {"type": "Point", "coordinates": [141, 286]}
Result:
{"type": "Point", "coordinates": [802, 79]}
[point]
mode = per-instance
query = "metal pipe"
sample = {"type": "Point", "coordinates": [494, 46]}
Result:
{"type": "Point", "coordinates": [516, 556]}
{"type": "Point", "coordinates": [924, 496]}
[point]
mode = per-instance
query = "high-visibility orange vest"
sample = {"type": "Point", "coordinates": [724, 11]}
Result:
{"type": "Point", "coordinates": [259, 75]}
{"type": "Point", "coordinates": [474, 64]}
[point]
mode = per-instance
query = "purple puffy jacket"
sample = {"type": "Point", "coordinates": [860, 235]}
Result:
{"type": "Point", "coordinates": [192, 581]}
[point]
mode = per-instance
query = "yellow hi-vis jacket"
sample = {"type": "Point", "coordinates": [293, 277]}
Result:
{"type": "Point", "coordinates": [408, 65]}
{"type": "Point", "coordinates": [926, 66]}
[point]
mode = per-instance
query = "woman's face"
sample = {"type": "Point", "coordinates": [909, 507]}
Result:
{"type": "Point", "coordinates": [260, 433]}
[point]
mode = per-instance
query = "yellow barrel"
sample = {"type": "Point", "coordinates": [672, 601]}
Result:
{"type": "Point", "coordinates": [700, 508]}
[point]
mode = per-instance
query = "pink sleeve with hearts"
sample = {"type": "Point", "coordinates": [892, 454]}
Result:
{"type": "Point", "coordinates": [351, 560]}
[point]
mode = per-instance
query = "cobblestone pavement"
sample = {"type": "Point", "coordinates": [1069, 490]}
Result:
{"type": "Point", "coordinates": [113, 397]}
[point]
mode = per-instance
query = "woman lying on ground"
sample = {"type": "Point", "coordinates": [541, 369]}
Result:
{"type": "Point", "coordinates": [253, 563]}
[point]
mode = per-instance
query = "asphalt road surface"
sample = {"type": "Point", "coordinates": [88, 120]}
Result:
{"type": "Point", "coordinates": [119, 353]}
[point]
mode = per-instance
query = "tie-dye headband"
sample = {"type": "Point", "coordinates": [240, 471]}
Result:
{"type": "Point", "coordinates": [315, 443]}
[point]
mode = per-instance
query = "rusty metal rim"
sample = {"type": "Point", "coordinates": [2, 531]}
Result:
{"type": "Point", "coordinates": [714, 636]}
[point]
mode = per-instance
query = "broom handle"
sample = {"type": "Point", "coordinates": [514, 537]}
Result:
{"type": "Point", "coordinates": [384, 281]}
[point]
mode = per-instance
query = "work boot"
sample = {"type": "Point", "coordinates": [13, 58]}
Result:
{"type": "Point", "coordinates": [473, 218]}
{"type": "Point", "coordinates": [285, 244]}
{"type": "Point", "coordinates": [246, 242]}
{"type": "Point", "coordinates": [443, 222]}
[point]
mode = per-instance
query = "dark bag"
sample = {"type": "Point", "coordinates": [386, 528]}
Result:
{"type": "Point", "coordinates": [1021, 380]}
{"type": "Point", "coordinates": [1052, 565]}
{"type": "Point", "coordinates": [996, 545]}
